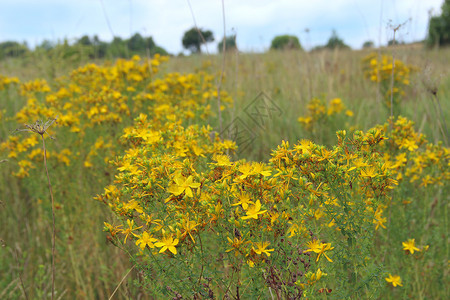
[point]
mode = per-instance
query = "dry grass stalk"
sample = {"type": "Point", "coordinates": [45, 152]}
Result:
{"type": "Point", "coordinates": [40, 128]}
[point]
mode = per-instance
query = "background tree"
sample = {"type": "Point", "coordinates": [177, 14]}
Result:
{"type": "Point", "coordinates": [158, 50]}
{"type": "Point", "coordinates": [118, 48]}
{"type": "Point", "coordinates": [92, 47]}
{"type": "Point", "coordinates": [46, 45]}
{"type": "Point", "coordinates": [12, 49]}
{"type": "Point", "coordinates": [87, 47]}
{"type": "Point", "coordinates": [336, 42]}
{"type": "Point", "coordinates": [137, 43]}
{"type": "Point", "coordinates": [193, 39]}
{"type": "Point", "coordinates": [100, 48]}
{"type": "Point", "coordinates": [439, 27]}
{"type": "Point", "coordinates": [368, 44]}
{"type": "Point", "coordinates": [84, 40]}
{"type": "Point", "coordinates": [396, 42]}
{"type": "Point", "coordinates": [284, 42]}
{"type": "Point", "coordinates": [230, 44]}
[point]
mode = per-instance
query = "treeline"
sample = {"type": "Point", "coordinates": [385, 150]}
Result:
{"type": "Point", "coordinates": [91, 47]}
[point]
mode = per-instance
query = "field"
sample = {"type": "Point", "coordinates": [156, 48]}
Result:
{"type": "Point", "coordinates": [338, 217]}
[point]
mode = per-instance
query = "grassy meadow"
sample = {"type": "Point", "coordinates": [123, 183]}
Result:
{"type": "Point", "coordinates": [101, 133]}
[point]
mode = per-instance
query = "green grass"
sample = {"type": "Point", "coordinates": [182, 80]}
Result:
{"type": "Point", "coordinates": [89, 267]}
{"type": "Point", "coordinates": [291, 79]}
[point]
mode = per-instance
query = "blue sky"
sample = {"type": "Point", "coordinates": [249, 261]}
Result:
{"type": "Point", "coordinates": [255, 22]}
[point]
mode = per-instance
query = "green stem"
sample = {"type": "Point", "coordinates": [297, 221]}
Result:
{"type": "Point", "coordinates": [53, 217]}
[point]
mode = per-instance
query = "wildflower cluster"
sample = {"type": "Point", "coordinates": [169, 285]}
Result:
{"type": "Point", "coordinates": [217, 225]}
{"type": "Point", "coordinates": [422, 171]}
{"type": "Point", "coordinates": [95, 103]}
{"type": "Point", "coordinates": [320, 115]}
{"type": "Point", "coordinates": [5, 82]}
{"type": "Point", "coordinates": [382, 69]}
{"type": "Point", "coordinates": [413, 159]}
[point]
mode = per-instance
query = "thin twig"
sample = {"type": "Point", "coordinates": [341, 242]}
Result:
{"type": "Point", "coordinates": [219, 84]}
{"type": "Point", "coordinates": [201, 250]}
{"type": "Point", "coordinates": [110, 297]}
{"type": "Point", "coordinates": [20, 275]}
{"type": "Point", "coordinates": [392, 74]}
{"type": "Point", "coordinates": [40, 128]}
{"type": "Point", "coordinates": [197, 28]}
{"type": "Point", "coordinates": [7, 288]}
{"type": "Point", "coordinates": [395, 29]}
{"type": "Point", "coordinates": [444, 130]}
{"type": "Point", "coordinates": [53, 217]}
{"type": "Point", "coordinates": [106, 18]}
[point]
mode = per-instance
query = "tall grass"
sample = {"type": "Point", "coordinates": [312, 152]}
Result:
{"type": "Point", "coordinates": [292, 78]}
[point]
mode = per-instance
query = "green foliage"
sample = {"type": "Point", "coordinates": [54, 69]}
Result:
{"type": "Point", "coordinates": [285, 42]}
{"type": "Point", "coordinates": [395, 42]}
{"type": "Point", "coordinates": [138, 43]}
{"type": "Point", "coordinates": [439, 27]}
{"type": "Point", "coordinates": [87, 47]}
{"type": "Point", "coordinates": [12, 49]}
{"type": "Point", "coordinates": [84, 40]}
{"type": "Point", "coordinates": [118, 47]}
{"type": "Point", "coordinates": [46, 45]}
{"type": "Point", "coordinates": [194, 38]}
{"type": "Point", "coordinates": [230, 44]}
{"type": "Point", "coordinates": [158, 50]}
{"type": "Point", "coordinates": [336, 42]}
{"type": "Point", "coordinates": [368, 44]}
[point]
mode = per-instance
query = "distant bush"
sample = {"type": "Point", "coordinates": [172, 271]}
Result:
{"type": "Point", "coordinates": [439, 27]}
{"type": "Point", "coordinates": [284, 42]}
{"type": "Point", "coordinates": [195, 37]}
{"type": "Point", "coordinates": [368, 44]}
{"type": "Point", "coordinates": [91, 47]}
{"type": "Point", "coordinates": [336, 42]}
{"type": "Point", "coordinates": [395, 42]}
{"type": "Point", "coordinates": [230, 44]}
{"type": "Point", "coordinates": [158, 50]}
{"type": "Point", "coordinates": [12, 49]}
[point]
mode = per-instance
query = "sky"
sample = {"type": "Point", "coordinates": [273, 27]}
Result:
{"type": "Point", "coordinates": [254, 22]}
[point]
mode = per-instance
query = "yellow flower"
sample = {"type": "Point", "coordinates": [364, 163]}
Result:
{"type": "Point", "coordinates": [237, 243]}
{"type": "Point", "coordinates": [145, 240]}
{"type": "Point", "coordinates": [149, 136]}
{"type": "Point", "coordinates": [258, 168]}
{"type": "Point", "coordinates": [320, 248]}
{"type": "Point", "coordinates": [167, 243]}
{"type": "Point", "coordinates": [409, 246]}
{"type": "Point", "coordinates": [369, 172]}
{"type": "Point", "coordinates": [254, 211]}
{"type": "Point", "coordinates": [261, 248]}
{"type": "Point", "coordinates": [244, 200]}
{"type": "Point", "coordinates": [250, 263]}
{"type": "Point", "coordinates": [316, 276]}
{"type": "Point", "coordinates": [112, 229]}
{"type": "Point", "coordinates": [222, 161]}
{"type": "Point", "coordinates": [183, 185]}
{"type": "Point", "coordinates": [378, 219]}
{"type": "Point", "coordinates": [188, 228]}
{"type": "Point", "coordinates": [129, 229]}
{"type": "Point", "coordinates": [314, 246]}
{"type": "Point", "coordinates": [394, 280]}
{"type": "Point", "coordinates": [408, 144]}
{"type": "Point", "coordinates": [133, 205]}
{"type": "Point", "coordinates": [246, 170]}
